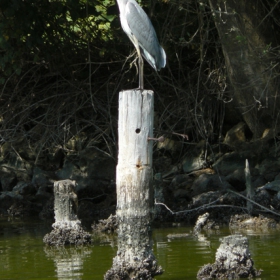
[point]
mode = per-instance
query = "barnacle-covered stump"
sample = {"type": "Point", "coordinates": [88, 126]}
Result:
{"type": "Point", "coordinates": [67, 228]}
{"type": "Point", "coordinates": [233, 261]}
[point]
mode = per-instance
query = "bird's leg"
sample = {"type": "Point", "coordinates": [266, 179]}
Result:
{"type": "Point", "coordinates": [141, 74]}
{"type": "Point", "coordinates": [141, 63]}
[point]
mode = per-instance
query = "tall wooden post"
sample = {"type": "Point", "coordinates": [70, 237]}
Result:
{"type": "Point", "coordinates": [135, 259]}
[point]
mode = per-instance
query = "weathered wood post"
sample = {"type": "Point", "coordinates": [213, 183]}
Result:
{"type": "Point", "coordinates": [67, 227]}
{"type": "Point", "coordinates": [65, 204]}
{"type": "Point", "coordinates": [135, 259]}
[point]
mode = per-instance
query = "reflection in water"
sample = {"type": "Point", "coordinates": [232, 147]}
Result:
{"type": "Point", "coordinates": [176, 255]}
{"type": "Point", "coordinates": [68, 261]}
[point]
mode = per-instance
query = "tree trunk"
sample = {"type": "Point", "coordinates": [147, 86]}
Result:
{"type": "Point", "coordinates": [249, 66]}
{"type": "Point", "coordinates": [135, 259]}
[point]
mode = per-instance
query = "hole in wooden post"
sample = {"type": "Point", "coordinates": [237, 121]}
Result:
{"type": "Point", "coordinates": [139, 165]}
{"type": "Point", "coordinates": [137, 130]}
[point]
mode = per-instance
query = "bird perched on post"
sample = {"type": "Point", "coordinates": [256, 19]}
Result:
{"type": "Point", "coordinates": [141, 33]}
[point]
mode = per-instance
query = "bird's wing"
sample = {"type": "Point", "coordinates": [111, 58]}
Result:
{"type": "Point", "coordinates": [143, 30]}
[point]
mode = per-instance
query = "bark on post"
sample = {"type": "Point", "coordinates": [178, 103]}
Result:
{"type": "Point", "coordinates": [67, 226]}
{"type": "Point", "coordinates": [135, 259]}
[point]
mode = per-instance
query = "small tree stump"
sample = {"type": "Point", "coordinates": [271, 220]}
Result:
{"type": "Point", "coordinates": [233, 260]}
{"type": "Point", "coordinates": [67, 226]}
{"type": "Point", "coordinates": [135, 259]}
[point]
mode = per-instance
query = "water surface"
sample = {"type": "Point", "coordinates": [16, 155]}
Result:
{"type": "Point", "coordinates": [23, 255]}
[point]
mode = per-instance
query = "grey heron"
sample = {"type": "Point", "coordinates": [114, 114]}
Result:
{"type": "Point", "coordinates": [140, 31]}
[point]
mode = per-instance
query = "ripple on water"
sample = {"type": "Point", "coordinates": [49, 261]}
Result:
{"type": "Point", "coordinates": [181, 257]}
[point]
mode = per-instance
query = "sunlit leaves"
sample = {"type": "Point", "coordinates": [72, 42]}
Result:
{"type": "Point", "coordinates": [37, 30]}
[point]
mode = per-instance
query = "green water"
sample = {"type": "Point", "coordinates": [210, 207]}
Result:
{"type": "Point", "coordinates": [23, 255]}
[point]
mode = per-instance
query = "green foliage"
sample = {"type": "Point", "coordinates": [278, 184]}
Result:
{"type": "Point", "coordinates": [50, 31]}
